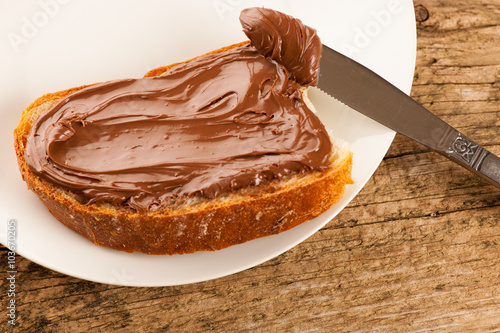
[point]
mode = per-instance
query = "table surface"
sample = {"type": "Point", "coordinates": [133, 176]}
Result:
{"type": "Point", "coordinates": [417, 250]}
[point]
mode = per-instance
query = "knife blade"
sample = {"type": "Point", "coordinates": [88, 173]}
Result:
{"type": "Point", "coordinates": [368, 93]}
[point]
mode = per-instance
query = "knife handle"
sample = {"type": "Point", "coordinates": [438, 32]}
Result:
{"type": "Point", "coordinates": [459, 148]}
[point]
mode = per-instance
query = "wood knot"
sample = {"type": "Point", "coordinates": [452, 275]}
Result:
{"type": "Point", "coordinates": [421, 13]}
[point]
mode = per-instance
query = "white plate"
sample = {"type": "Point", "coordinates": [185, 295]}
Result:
{"type": "Point", "coordinates": [50, 45]}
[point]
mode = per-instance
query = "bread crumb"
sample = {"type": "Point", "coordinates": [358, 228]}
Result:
{"type": "Point", "coordinates": [180, 231]}
{"type": "Point", "coordinates": [203, 229]}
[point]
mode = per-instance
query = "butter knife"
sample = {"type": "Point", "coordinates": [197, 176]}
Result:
{"type": "Point", "coordinates": [368, 93]}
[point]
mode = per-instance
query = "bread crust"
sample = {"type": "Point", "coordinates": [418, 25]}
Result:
{"type": "Point", "coordinates": [205, 225]}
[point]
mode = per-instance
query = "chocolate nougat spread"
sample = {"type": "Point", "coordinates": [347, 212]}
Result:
{"type": "Point", "coordinates": [217, 123]}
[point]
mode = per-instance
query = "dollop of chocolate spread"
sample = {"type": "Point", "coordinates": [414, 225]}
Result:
{"type": "Point", "coordinates": [206, 127]}
{"type": "Point", "coordinates": [285, 40]}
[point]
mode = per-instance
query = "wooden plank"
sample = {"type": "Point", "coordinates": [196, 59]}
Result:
{"type": "Point", "coordinates": [416, 251]}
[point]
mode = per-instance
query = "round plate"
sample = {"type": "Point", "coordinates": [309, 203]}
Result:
{"type": "Point", "coordinates": [52, 45]}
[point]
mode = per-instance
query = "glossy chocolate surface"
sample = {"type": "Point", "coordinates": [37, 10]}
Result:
{"type": "Point", "coordinates": [209, 126]}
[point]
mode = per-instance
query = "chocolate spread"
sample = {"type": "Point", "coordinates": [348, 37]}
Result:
{"type": "Point", "coordinates": [286, 40]}
{"type": "Point", "coordinates": [209, 126]}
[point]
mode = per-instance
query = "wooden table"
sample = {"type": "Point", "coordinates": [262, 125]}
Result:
{"type": "Point", "coordinates": [417, 250]}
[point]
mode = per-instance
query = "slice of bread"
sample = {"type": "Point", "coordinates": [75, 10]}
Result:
{"type": "Point", "coordinates": [196, 224]}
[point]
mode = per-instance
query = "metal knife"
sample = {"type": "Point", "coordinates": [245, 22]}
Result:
{"type": "Point", "coordinates": [368, 93]}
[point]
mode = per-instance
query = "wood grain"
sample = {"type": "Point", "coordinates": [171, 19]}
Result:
{"type": "Point", "coordinates": [418, 250]}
